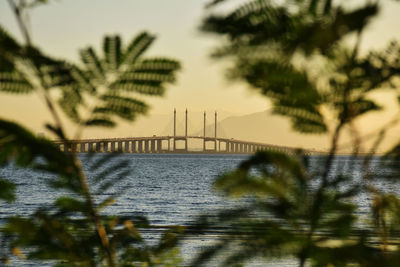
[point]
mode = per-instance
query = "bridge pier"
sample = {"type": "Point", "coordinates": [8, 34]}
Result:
{"type": "Point", "coordinates": [159, 146]}
{"type": "Point", "coordinates": [120, 150]}
{"type": "Point", "coordinates": [89, 147]}
{"type": "Point", "coordinates": [126, 147]}
{"type": "Point", "coordinates": [112, 147]}
{"type": "Point", "coordinates": [134, 147]}
{"type": "Point", "coordinates": [68, 147]}
{"type": "Point", "coordinates": [105, 147]}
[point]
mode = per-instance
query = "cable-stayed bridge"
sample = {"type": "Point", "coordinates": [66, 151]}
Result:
{"type": "Point", "coordinates": [174, 143]}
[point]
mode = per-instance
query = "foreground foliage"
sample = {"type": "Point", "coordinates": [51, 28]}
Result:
{"type": "Point", "coordinates": [298, 54]}
{"type": "Point", "coordinates": [75, 231]}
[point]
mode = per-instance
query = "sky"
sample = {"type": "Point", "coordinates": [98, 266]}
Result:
{"type": "Point", "coordinates": [62, 27]}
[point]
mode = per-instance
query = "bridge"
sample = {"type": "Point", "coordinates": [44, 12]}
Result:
{"type": "Point", "coordinates": [168, 144]}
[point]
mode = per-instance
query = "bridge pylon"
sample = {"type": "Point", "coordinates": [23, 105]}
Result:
{"type": "Point", "coordinates": [210, 139]}
{"type": "Point", "coordinates": [180, 138]}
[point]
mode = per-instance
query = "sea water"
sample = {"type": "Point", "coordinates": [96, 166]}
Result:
{"type": "Point", "coordinates": [169, 189]}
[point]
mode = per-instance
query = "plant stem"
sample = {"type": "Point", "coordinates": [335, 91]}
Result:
{"type": "Point", "coordinates": [17, 11]}
{"type": "Point", "coordinates": [94, 216]}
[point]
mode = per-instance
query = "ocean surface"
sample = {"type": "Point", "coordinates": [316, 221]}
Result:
{"type": "Point", "coordinates": [169, 189]}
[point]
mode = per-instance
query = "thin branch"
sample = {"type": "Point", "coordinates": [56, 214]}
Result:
{"type": "Point", "coordinates": [17, 11]}
{"type": "Point", "coordinates": [93, 215]}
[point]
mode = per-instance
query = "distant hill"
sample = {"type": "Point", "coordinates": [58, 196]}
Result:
{"type": "Point", "coordinates": [268, 128]}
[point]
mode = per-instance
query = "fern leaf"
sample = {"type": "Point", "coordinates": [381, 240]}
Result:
{"type": "Point", "coordinates": [15, 86]}
{"type": "Point", "coordinates": [100, 121]}
{"type": "Point", "coordinates": [92, 62]}
{"type": "Point", "coordinates": [123, 107]}
{"type": "Point", "coordinates": [116, 100]}
{"type": "Point", "coordinates": [9, 48]}
{"type": "Point", "coordinates": [137, 47]}
{"type": "Point", "coordinates": [156, 65]}
{"type": "Point", "coordinates": [145, 76]}
{"type": "Point", "coordinates": [112, 51]}
{"type": "Point", "coordinates": [139, 88]}
{"type": "Point", "coordinates": [82, 79]}
{"type": "Point", "coordinates": [70, 101]}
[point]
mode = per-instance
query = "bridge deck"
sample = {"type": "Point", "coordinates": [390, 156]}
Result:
{"type": "Point", "coordinates": [156, 144]}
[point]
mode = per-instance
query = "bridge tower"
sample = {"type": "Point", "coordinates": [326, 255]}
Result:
{"type": "Point", "coordinates": [182, 138]}
{"type": "Point", "coordinates": [173, 147]}
{"type": "Point", "coordinates": [210, 139]}
{"type": "Point", "coordinates": [186, 129]}
{"type": "Point", "coordinates": [215, 131]}
{"type": "Point", "coordinates": [204, 132]}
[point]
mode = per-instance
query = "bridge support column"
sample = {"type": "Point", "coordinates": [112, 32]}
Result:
{"type": "Point", "coordinates": [105, 146]}
{"type": "Point", "coordinates": [120, 149]}
{"type": "Point", "coordinates": [159, 146]}
{"type": "Point", "coordinates": [126, 147]}
{"type": "Point", "coordinates": [134, 146]}
{"type": "Point", "coordinates": [90, 147]}
{"type": "Point", "coordinates": [95, 147]}
{"type": "Point", "coordinates": [153, 146]}
{"type": "Point", "coordinates": [146, 146]}
{"type": "Point", "coordinates": [139, 146]}
{"type": "Point", "coordinates": [112, 146]}
{"type": "Point", "coordinates": [67, 147]}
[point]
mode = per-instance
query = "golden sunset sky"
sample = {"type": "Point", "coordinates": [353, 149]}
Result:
{"type": "Point", "coordinates": [61, 28]}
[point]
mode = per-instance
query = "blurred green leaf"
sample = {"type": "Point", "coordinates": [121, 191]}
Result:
{"type": "Point", "coordinates": [7, 189]}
